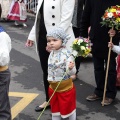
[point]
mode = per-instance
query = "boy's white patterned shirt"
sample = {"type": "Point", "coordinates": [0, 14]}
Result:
{"type": "Point", "coordinates": [58, 65]}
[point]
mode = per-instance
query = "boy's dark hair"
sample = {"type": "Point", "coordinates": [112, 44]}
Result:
{"type": "Point", "coordinates": [0, 10]}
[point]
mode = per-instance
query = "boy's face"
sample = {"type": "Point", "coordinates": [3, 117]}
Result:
{"type": "Point", "coordinates": [54, 43]}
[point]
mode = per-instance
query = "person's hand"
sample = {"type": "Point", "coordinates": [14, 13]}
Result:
{"type": "Point", "coordinates": [29, 43]}
{"type": "Point", "coordinates": [110, 44]}
{"type": "Point", "coordinates": [112, 33]}
{"type": "Point", "coordinates": [71, 65]}
{"type": "Point", "coordinates": [48, 48]}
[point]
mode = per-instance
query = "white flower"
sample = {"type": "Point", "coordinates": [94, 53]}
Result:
{"type": "Point", "coordinates": [78, 42]}
{"type": "Point", "coordinates": [86, 45]}
{"type": "Point", "coordinates": [110, 15]}
{"type": "Point", "coordinates": [82, 48]}
{"type": "Point", "coordinates": [103, 18]}
{"type": "Point", "coordinates": [81, 40]}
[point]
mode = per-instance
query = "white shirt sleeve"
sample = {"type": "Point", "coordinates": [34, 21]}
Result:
{"type": "Point", "coordinates": [32, 34]}
{"type": "Point", "coordinates": [67, 14]}
{"type": "Point", "coordinates": [5, 48]}
{"type": "Point", "coordinates": [116, 49]}
{"type": "Point", "coordinates": [72, 71]}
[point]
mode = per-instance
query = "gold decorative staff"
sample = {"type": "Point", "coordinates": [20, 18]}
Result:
{"type": "Point", "coordinates": [106, 77]}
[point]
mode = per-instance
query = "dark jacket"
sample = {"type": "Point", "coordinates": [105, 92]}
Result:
{"type": "Point", "coordinates": [81, 3]}
{"type": "Point", "coordinates": [93, 11]}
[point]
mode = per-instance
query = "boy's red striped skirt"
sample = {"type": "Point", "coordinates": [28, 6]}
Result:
{"type": "Point", "coordinates": [63, 103]}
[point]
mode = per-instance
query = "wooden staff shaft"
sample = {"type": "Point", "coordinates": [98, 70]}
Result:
{"type": "Point", "coordinates": [106, 77]}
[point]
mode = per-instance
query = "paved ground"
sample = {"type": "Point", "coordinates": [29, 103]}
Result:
{"type": "Point", "coordinates": [27, 90]}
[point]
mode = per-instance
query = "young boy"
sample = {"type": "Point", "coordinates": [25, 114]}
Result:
{"type": "Point", "coordinates": [61, 66]}
{"type": "Point", "coordinates": [5, 48]}
{"type": "Point", "coordinates": [115, 48]}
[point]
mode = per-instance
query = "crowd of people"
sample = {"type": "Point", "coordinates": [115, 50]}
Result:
{"type": "Point", "coordinates": [16, 10]}
{"type": "Point", "coordinates": [56, 25]}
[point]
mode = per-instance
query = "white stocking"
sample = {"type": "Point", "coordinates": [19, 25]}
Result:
{"type": "Point", "coordinates": [73, 116]}
{"type": "Point", "coordinates": [56, 117]}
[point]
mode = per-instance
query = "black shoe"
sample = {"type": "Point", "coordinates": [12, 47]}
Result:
{"type": "Point", "coordinates": [38, 109]}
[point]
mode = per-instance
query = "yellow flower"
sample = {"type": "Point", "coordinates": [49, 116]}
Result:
{"type": "Point", "coordinates": [75, 41]}
{"type": "Point", "coordinates": [118, 5]}
{"type": "Point", "coordinates": [87, 52]}
{"type": "Point", "coordinates": [117, 19]}
{"type": "Point", "coordinates": [83, 55]}
{"type": "Point", "coordinates": [112, 10]}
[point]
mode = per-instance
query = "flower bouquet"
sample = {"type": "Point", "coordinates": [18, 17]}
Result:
{"type": "Point", "coordinates": [111, 17]}
{"type": "Point", "coordinates": [81, 46]}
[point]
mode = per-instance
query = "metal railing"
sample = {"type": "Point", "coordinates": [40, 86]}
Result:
{"type": "Point", "coordinates": [32, 6]}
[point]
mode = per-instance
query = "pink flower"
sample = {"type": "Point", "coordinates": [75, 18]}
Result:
{"type": "Point", "coordinates": [118, 12]}
{"type": "Point", "coordinates": [86, 40]}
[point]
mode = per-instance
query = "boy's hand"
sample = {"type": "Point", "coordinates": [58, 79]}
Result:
{"type": "Point", "coordinates": [71, 65]}
{"type": "Point", "coordinates": [112, 33]}
{"type": "Point", "coordinates": [110, 44]}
